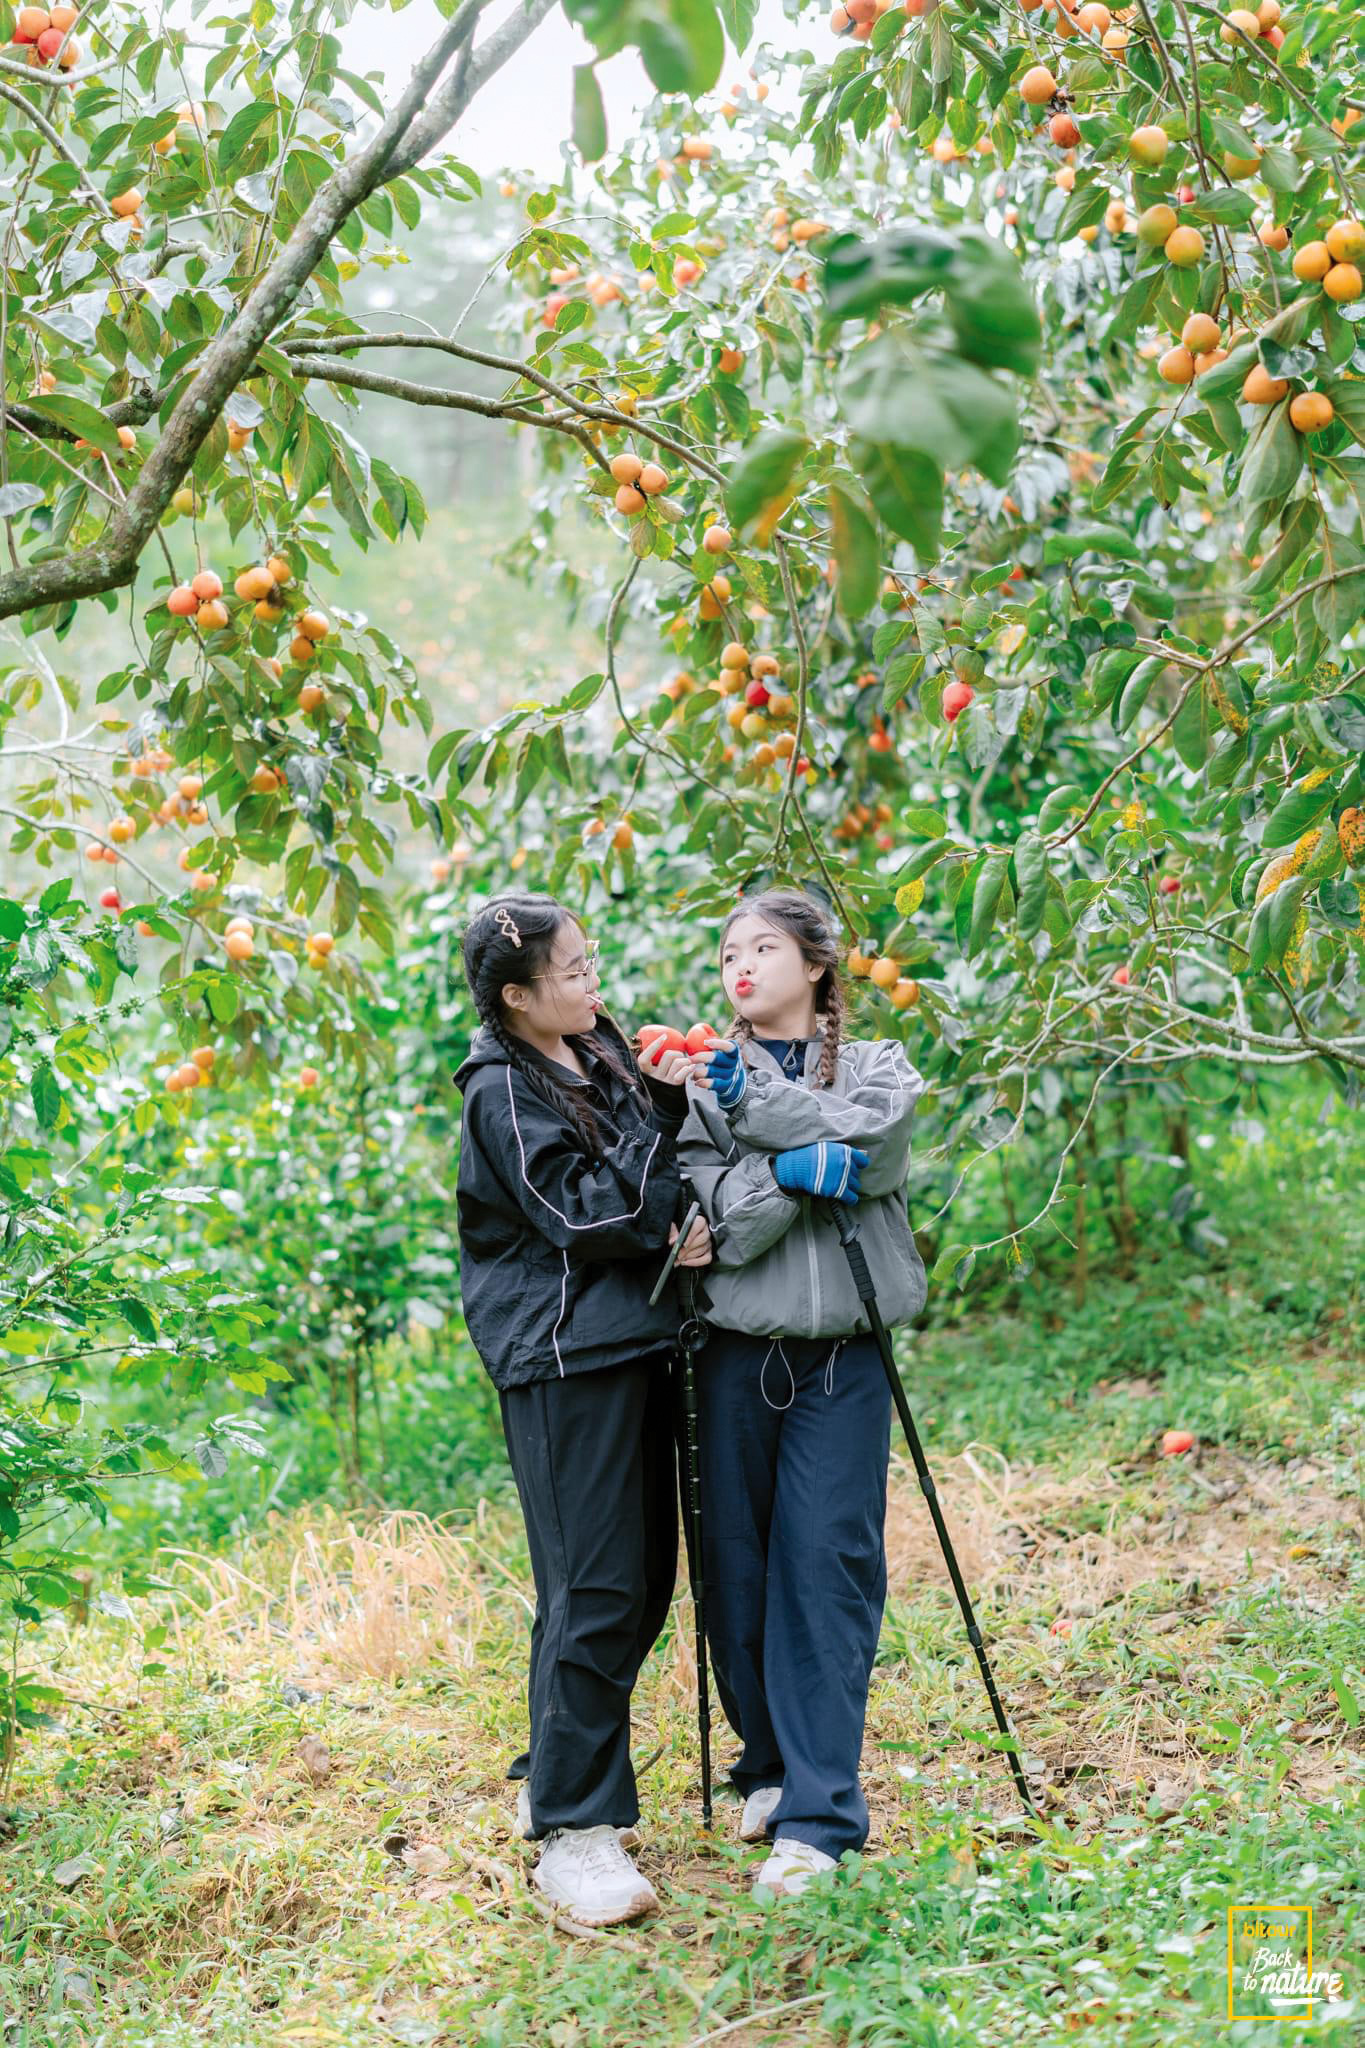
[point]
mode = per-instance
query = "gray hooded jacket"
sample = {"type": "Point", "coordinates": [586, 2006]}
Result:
{"type": "Point", "coordinates": [779, 1268]}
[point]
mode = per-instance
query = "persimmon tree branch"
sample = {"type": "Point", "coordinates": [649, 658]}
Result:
{"type": "Point", "coordinates": [111, 561]}
{"type": "Point", "coordinates": [332, 371]}
{"type": "Point", "coordinates": [469, 77]}
{"type": "Point", "coordinates": [511, 366]}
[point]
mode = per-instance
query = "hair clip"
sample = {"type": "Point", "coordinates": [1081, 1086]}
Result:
{"type": "Point", "coordinates": [507, 925]}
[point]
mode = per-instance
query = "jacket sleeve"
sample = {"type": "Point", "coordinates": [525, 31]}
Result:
{"type": "Point", "coordinates": [619, 1207]}
{"type": "Point", "coordinates": [875, 1114]}
{"type": "Point", "coordinates": [740, 1199]}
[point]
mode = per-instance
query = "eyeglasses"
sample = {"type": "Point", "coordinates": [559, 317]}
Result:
{"type": "Point", "coordinates": [589, 967]}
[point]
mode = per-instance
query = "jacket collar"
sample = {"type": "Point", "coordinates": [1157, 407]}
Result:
{"type": "Point", "coordinates": [758, 1056]}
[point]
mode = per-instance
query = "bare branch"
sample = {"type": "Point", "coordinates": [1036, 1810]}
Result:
{"type": "Point", "coordinates": [469, 78]}
{"type": "Point", "coordinates": [336, 372]}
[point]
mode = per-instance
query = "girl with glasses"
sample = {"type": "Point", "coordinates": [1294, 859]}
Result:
{"type": "Point", "coordinates": [567, 1189]}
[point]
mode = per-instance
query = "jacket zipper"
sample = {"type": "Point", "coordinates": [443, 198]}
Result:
{"type": "Point", "coordinates": [814, 1271]}
{"type": "Point", "coordinates": [811, 1256]}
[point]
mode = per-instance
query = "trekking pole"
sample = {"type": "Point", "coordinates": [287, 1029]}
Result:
{"type": "Point", "coordinates": [691, 1338]}
{"type": "Point", "coordinates": [850, 1239]}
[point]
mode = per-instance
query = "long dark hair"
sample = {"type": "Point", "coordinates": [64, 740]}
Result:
{"type": "Point", "coordinates": [791, 910]}
{"type": "Point", "coordinates": [492, 958]}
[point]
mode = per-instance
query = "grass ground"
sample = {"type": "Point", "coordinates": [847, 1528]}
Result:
{"type": "Point", "coordinates": [299, 1831]}
{"type": "Point", "coordinates": [288, 1823]}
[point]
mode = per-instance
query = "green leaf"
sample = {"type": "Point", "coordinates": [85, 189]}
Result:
{"type": "Point", "coordinates": [991, 307]}
{"type": "Point", "coordinates": [1225, 379]}
{"type": "Point", "coordinates": [1346, 1699]}
{"type": "Point", "coordinates": [990, 884]}
{"type": "Point", "coordinates": [589, 115]}
{"type": "Point", "coordinates": [954, 1263]}
{"type": "Point", "coordinates": [739, 17]}
{"type": "Point", "coordinates": [1337, 606]}
{"type": "Point", "coordinates": [888, 637]}
{"type": "Point", "coordinates": [1296, 810]}
{"type": "Point", "coordinates": [223, 999]}
{"type": "Point", "coordinates": [1098, 540]}
{"type": "Point", "coordinates": [1283, 905]}
{"type": "Point", "coordinates": [1274, 458]}
{"type": "Point", "coordinates": [236, 138]}
{"type": "Point", "coordinates": [1030, 862]}
{"type": "Point", "coordinates": [46, 1094]}
{"type": "Point", "coordinates": [312, 460]}
{"type": "Point", "coordinates": [681, 42]}
{"type": "Point", "coordinates": [84, 420]}
{"type": "Point", "coordinates": [986, 298]}
{"type": "Point", "coordinates": [1112, 671]}
{"type": "Point", "coordinates": [1085, 206]}
{"type": "Point", "coordinates": [346, 900]}
{"type": "Point", "coordinates": [856, 553]}
{"type": "Point", "coordinates": [1280, 168]}
{"type": "Point", "coordinates": [763, 472]}
{"type": "Point", "coordinates": [1058, 803]}
{"type": "Point", "coordinates": [931, 403]}
{"type": "Point", "coordinates": [903, 672]}
{"type": "Point", "coordinates": [926, 824]}
{"type": "Point", "coordinates": [1234, 140]}
{"type": "Point", "coordinates": [16, 498]}
{"type": "Point", "coordinates": [1135, 691]}
{"type": "Point", "coordinates": [1196, 724]}
{"type": "Point", "coordinates": [1226, 206]}
{"type": "Point", "coordinates": [906, 488]}
{"type": "Point", "coordinates": [1298, 527]}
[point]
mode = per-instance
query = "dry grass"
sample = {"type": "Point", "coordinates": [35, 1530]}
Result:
{"type": "Point", "coordinates": [396, 1597]}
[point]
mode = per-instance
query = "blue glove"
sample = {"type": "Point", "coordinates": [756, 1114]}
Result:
{"type": "Point", "coordinates": [830, 1170]}
{"type": "Point", "coordinates": [726, 1072]}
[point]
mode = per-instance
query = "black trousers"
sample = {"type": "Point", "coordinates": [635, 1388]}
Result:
{"type": "Point", "coordinates": [594, 1462]}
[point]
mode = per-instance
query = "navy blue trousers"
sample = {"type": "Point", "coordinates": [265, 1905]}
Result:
{"type": "Point", "coordinates": [795, 1440]}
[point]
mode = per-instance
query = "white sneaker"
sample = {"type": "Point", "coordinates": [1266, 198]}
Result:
{"type": "Point", "coordinates": [629, 1838]}
{"type": "Point", "coordinates": [587, 1871]}
{"type": "Point", "coordinates": [792, 1865]}
{"type": "Point", "coordinates": [753, 1822]}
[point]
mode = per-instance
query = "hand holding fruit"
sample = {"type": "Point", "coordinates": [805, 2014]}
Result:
{"type": "Point", "coordinates": [663, 1054]}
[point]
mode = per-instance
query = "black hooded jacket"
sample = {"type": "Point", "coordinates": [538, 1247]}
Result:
{"type": "Point", "coordinates": [559, 1251]}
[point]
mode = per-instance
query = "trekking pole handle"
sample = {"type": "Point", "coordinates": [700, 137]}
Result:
{"type": "Point", "coordinates": [688, 1220]}
{"type": "Point", "coordinates": [839, 1215]}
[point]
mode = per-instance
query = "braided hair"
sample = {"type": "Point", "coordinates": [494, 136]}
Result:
{"type": "Point", "coordinates": [798, 914]}
{"type": "Point", "coordinates": [492, 957]}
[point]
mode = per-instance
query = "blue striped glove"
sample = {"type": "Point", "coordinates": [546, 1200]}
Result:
{"type": "Point", "coordinates": [830, 1170]}
{"type": "Point", "coordinates": [726, 1072]}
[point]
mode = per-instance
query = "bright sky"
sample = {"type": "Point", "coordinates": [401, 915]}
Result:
{"type": "Point", "coordinates": [520, 119]}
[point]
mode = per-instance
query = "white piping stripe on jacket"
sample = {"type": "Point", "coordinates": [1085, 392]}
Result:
{"type": "Point", "coordinates": [758, 1194]}
{"type": "Point", "coordinates": [563, 1297]}
{"type": "Point", "coordinates": [625, 1215]}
